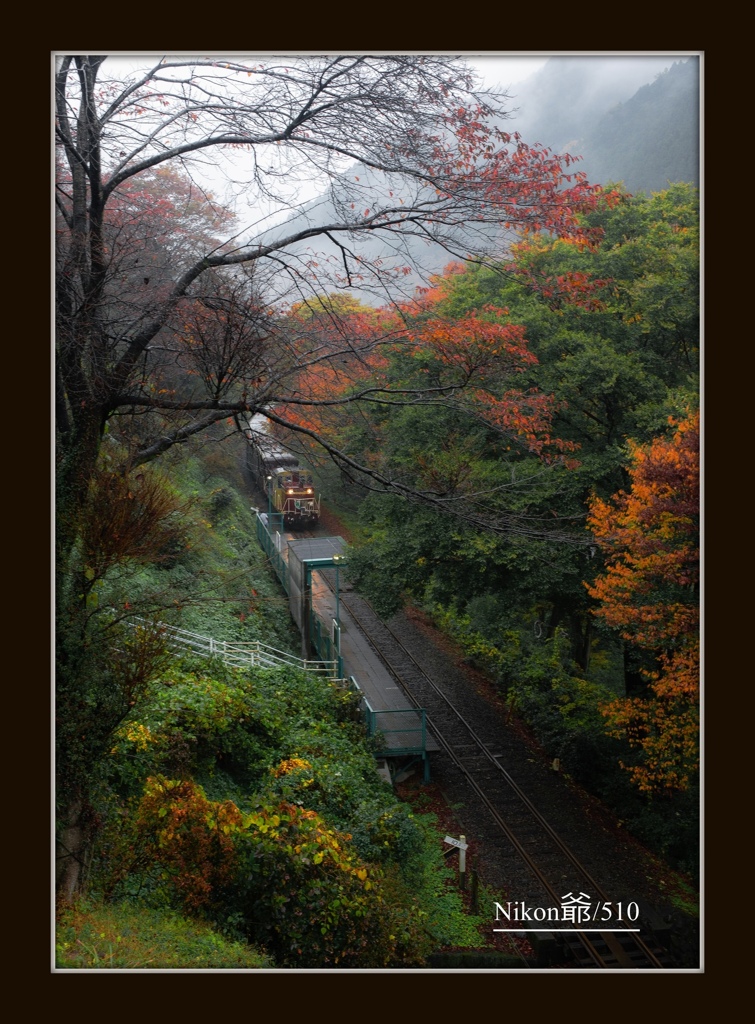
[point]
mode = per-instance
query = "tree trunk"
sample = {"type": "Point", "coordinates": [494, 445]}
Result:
{"type": "Point", "coordinates": [582, 632]}
{"type": "Point", "coordinates": [558, 609]}
{"type": "Point", "coordinates": [77, 459]}
{"type": "Point", "coordinates": [70, 850]}
{"type": "Point", "coordinates": [78, 453]}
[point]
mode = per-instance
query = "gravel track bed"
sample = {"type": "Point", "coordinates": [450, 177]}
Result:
{"type": "Point", "coordinates": [621, 866]}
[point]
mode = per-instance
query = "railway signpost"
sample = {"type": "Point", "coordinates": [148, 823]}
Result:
{"type": "Point", "coordinates": [461, 845]}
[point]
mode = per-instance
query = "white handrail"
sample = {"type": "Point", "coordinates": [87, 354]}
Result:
{"type": "Point", "coordinates": [253, 654]}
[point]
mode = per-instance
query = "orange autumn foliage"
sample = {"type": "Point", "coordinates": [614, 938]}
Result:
{"type": "Point", "coordinates": [340, 351]}
{"type": "Point", "coordinates": [187, 837]}
{"type": "Point", "coordinates": [649, 592]}
{"type": "Point", "coordinates": [418, 355]}
{"type": "Point", "coordinates": [482, 352]}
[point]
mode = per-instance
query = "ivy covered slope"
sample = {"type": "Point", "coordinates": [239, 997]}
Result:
{"type": "Point", "coordinates": [236, 817]}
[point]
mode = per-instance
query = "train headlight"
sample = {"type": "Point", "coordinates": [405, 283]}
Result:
{"type": "Point", "coordinates": [309, 490]}
{"type": "Point", "coordinates": [290, 492]}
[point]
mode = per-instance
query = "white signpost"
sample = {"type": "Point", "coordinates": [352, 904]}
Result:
{"type": "Point", "coordinates": [461, 845]}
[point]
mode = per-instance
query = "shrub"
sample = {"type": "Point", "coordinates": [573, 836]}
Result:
{"type": "Point", "coordinates": [180, 839]}
{"type": "Point", "coordinates": [250, 797]}
{"type": "Point", "coordinates": [305, 894]}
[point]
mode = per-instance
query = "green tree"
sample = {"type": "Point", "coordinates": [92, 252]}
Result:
{"type": "Point", "coordinates": [419, 121]}
{"type": "Point", "coordinates": [104, 658]}
{"type": "Point", "coordinates": [615, 332]}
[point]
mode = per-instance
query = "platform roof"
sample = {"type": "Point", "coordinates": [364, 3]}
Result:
{"type": "Point", "coordinates": [316, 547]}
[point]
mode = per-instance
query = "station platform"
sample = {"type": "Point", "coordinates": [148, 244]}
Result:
{"type": "Point", "coordinates": [401, 725]}
{"type": "Point", "coordinates": [316, 586]}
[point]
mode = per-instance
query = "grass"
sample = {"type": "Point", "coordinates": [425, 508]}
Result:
{"type": "Point", "coordinates": [98, 936]}
{"type": "Point", "coordinates": [684, 897]}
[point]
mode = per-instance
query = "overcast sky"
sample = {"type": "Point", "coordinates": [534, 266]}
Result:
{"type": "Point", "coordinates": [496, 70]}
{"type": "Point", "coordinates": [507, 71]}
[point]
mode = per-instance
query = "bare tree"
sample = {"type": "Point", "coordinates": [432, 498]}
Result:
{"type": "Point", "coordinates": [447, 172]}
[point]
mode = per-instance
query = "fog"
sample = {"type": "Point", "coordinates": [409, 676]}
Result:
{"type": "Point", "coordinates": [550, 96]}
{"type": "Point", "coordinates": [552, 99]}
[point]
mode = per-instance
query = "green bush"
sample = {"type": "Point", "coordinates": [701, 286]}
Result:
{"type": "Point", "coordinates": [304, 893]}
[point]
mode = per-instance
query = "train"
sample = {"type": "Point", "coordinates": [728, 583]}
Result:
{"type": "Point", "coordinates": [290, 488]}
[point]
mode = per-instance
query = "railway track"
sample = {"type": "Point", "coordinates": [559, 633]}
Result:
{"type": "Point", "coordinates": [597, 931]}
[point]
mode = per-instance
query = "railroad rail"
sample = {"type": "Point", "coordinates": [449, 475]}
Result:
{"type": "Point", "coordinates": [513, 812]}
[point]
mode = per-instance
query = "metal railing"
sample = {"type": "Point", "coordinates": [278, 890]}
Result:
{"type": "Point", "coordinates": [402, 731]}
{"type": "Point", "coordinates": [324, 643]}
{"type": "Point", "coordinates": [254, 654]}
{"type": "Point", "coordinates": [269, 543]}
{"type": "Point", "coordinates": [380, 724]}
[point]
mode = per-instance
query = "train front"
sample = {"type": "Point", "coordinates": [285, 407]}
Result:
{"type": "Point", "coordinates": [295, 499]}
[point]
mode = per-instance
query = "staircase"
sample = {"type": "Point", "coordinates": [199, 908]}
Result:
{"type": "Point", "coordinates": [250, 655]}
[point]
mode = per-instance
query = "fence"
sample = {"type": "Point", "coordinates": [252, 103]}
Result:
{"type": "Point", "coordinates": [254, 654]}
{"type": "Point", "coordinates": [325, 644]}
{"type": "Point", "coordinates": [399, 731]}
{"type": "Point", "coordinates": [269, 542]}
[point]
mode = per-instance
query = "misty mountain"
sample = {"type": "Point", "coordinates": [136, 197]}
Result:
{"type": "Point", "coordinates": [321, 263]}
{"type": "Point", "coordinates": [631, 119]}
{"type": "Point", "coordinates": [561, 104]}
{"type": "Point", "coordinates": [652, 139]}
